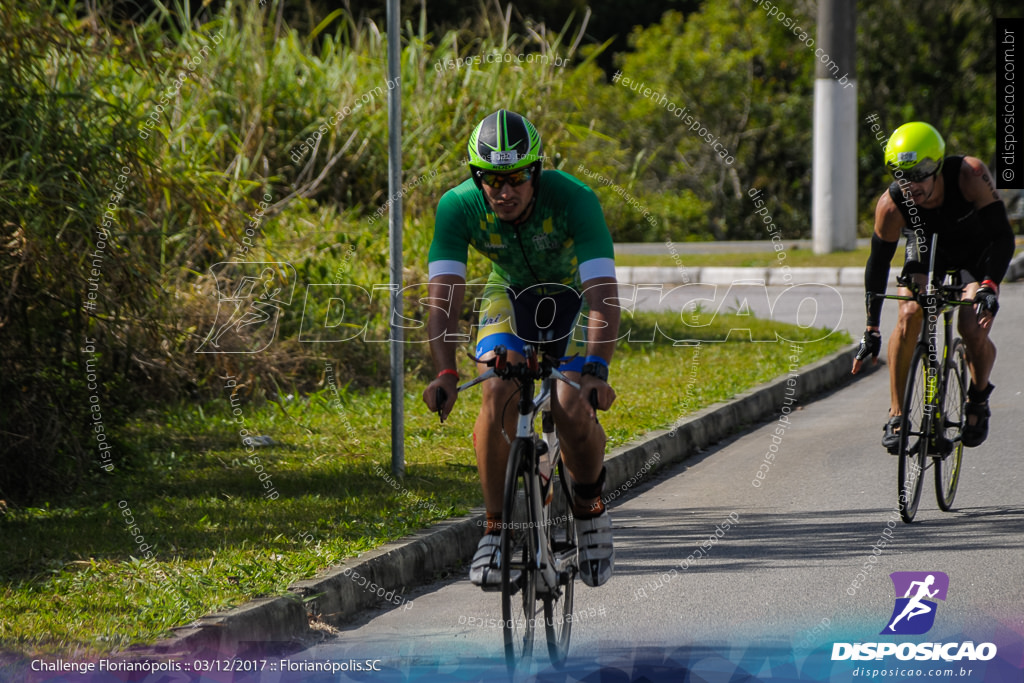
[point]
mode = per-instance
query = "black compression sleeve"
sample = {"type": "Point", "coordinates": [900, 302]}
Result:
{"type": "Point", "coordinates": [876, 275]}
{"type": "Point", "coordinates": [1000, 252]}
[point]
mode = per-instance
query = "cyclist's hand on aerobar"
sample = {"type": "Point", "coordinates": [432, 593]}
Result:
{"type": "Point", "coordinates": [870, 345]}
{"type": "Point", "coordinates": [599, 389]}
{"type": "Point", "coordinates": [440, 395]}
{"type": "Point", "coordinates": [986, 305]}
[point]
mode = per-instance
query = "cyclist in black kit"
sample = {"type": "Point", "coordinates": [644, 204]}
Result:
{"type": "Point", "coordinates": [955, 197]}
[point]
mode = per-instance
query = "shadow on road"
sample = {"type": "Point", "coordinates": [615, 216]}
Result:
{"type": "Point", "coordinates": [666, 537]}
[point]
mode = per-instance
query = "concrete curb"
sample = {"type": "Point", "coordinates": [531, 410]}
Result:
{"type": "Point", "coordinates": [343, 591]}
{"type": "Point", "coordinates": [261, 621]}
{"type": "Point", "coordinates": [849, 276]}
{"type": "Point", "coordinates": [380, 577]}
{"type": "Point", "coordinates": [707, 275]}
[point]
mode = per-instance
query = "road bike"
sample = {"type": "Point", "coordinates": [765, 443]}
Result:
{"type": "Point", "coordinates": [933, 414]}
{"type": "Point", "coordinates": [538, 533]}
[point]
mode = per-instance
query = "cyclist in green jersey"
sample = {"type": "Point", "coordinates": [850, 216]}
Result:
{"type": "Point", "coordinates": [552, 282]}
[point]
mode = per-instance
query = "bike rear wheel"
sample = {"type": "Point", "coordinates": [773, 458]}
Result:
{"type": "Point", "coordinates": [947, 467]}
{"type": "Point", "coordinates": [518, 598]}
{"type": "Point", "coordinates": [558, 604]}
{"type": "Point", "coordinates": [914, 434]}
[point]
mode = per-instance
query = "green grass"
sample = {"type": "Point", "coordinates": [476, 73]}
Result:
{"type": "Point", "coordinates": [72, 583]}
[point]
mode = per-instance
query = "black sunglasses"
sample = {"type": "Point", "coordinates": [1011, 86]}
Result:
{"type": "Point", "coordinates": [496, 180]}
{"type": "Point", "coordinates": [920, 173]}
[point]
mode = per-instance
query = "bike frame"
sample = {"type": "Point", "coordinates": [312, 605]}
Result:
{"type": "Point", "coordinates": [528, 407]}
{"type": "Point", "coordinates": [931, 440]}
{"type": "Point", "coordinates": [935, 301]}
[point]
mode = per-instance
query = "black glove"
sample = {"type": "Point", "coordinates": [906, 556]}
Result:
{"type": "Point", "coordinates": [987, 300]}
{"type": "Point", "coordinates": [869, 345]}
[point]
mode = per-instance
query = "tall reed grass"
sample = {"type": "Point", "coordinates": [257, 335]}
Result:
{"type": "Point", "coordinates": [202, 117]}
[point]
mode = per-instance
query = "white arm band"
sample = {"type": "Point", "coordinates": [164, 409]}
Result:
{"type": "Point", "coordinates": [436, 268]}
{"type": "Point", "coordinates": [597, 267]}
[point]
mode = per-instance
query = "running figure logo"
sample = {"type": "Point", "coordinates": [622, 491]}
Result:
{"type": "Point", "coordinates": [914, 613]}
{"type": "Point", "coordinates": [250, 299]}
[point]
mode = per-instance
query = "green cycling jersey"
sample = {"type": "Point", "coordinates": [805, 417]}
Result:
{"type": "Point", "coordinates": [565, 240]}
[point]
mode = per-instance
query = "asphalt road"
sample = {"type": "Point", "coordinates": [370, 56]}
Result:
{"type": "Point", "coordinates": [792, 570]}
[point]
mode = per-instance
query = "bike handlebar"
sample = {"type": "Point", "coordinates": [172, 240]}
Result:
{"type": "Point", "coordinates": [529, 369]}
{"type": "Point", "coordinates": [943, 292]}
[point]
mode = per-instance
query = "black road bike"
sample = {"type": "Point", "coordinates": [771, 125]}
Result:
{"type": "Point", "coordinates": [936, 391]}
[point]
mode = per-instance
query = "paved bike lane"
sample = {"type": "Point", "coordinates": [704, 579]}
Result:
{"type": "Point", "coordinates": [720, 571]}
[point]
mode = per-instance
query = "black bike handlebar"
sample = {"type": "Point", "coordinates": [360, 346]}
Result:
{"type": "Point", "coordinates": [529, 369]}
{"type": "Point", "coordinates": [942, 291]}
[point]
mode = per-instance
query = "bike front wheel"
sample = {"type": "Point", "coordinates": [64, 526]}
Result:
{"type": "Point", "coordinates": [518, 559]}
{"type": "Point", "coordinates": [947, 467]}
{"type": "Point", "coordinates": [558, 602]}
{"type": "Point", "coordinates": [914, 428]}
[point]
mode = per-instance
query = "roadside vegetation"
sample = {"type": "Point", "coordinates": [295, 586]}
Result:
{"type": "Point", "coordinates": [139, 152]}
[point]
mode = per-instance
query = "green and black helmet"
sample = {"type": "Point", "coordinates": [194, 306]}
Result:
{"type": "Point", "coordinates": [915, 151]}
{"type": "Point", "coordinates": [504, 142]}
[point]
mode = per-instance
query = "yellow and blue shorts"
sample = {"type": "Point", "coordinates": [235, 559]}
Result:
{"type": "Point", "coordinates": [552, 316]}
